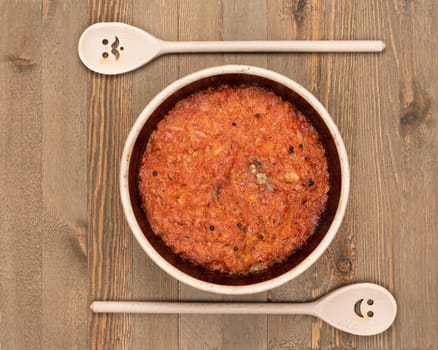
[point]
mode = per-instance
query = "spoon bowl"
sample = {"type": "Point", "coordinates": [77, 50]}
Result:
{"type": "Point", "coordinates": [361, 309]}
{"type": "Point", "coordinates": [114, 48]}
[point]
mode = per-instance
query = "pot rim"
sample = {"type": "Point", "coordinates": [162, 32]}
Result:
{"type": "Point", "coordinates": [213, 287]}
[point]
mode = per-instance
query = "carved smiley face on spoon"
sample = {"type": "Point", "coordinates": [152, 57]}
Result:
{"type": "Point", "coordinates": [362, 309]}
{"type": "Point", "coordinates": [116, 48]}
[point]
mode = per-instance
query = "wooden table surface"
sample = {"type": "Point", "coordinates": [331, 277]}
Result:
{"type": "Point", "coordinates": [64, 240]}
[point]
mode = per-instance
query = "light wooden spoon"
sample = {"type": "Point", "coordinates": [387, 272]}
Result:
{"type": "Point", "coordinates": [116, 48]}
{"type": "Point", "coordinates": [361, 308]}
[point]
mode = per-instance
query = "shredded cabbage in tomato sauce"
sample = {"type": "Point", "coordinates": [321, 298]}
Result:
{"type": "Point", "coordinates": [234, 179]}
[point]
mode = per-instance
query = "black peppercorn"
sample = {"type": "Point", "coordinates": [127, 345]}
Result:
{"type": "Point", "coordinates": [233, 124]}
{"type": "Point", "coordinates": [212, 228]}
{"type": "Point", "coordinates": [257, 115]}
{"type": "Point", "coordinates": [291, 149]}
{"type": "Point", "coordinates": [311, 182]}
{"type": "Point", "coordinates": [236, 248]}
{"type": "Point", "coordinates": [155, 173]}
{"type": "Point", "coordinates": [257, 163]}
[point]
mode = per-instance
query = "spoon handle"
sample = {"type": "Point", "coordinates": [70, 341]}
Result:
{"type": "Point", "coordinates": [201, 308]}
{"type": "Point", "coordinates": [274, 46]}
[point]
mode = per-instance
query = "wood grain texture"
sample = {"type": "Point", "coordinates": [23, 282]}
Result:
{"type": "Point", "coordinates": [109, 240]}
{"type": "Point", "coordinates": [64, 178]}
{"type": "Point", "coordinates": [62, 129]}
{"type": "Point", "coordinates": [154, 331]}
{"type": "Point", "coordinates": [21, 324]}
{"type": "Point", "coordinates": [398, 241]}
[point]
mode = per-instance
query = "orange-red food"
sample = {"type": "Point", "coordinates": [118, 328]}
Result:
{"type": "Point", "coordinates": [234, 179]}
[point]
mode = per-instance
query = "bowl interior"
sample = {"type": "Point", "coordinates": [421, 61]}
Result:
{"type": "Point", "coordinates": [333, 162]}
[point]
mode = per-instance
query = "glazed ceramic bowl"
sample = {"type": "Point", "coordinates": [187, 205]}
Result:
{"type": "Point", "coordinates": [196, 276]}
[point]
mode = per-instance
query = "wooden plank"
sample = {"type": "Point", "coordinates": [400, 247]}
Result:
{"type": "Point", "coordinates": [397, 242]}
{"type": "Point", "coordinates": [418, 164]}
{"type": "Point", "coordinates": [20, 176]}
{"type": "Point", "coordinates": [370, 175]}
{"type": "Point", "coordinates": [109, 241]}
{"type": "Point", "coordinates": [150, 282]}
{"type": "Point", "coordinates": [336, 77]}
{"type": "Point", "coordinates": [64, 177]}
{"type": "Point", "coordinates": [245, 20]}
{"type": "Point", "coordinates": [199, 20]}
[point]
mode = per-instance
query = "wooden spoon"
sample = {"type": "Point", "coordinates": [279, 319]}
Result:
{"type": "Point", "coordinates": [116, 48]}
{"type": "Point", "coordinates": [361, 308]}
